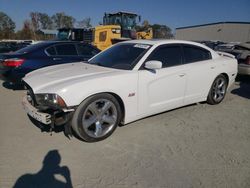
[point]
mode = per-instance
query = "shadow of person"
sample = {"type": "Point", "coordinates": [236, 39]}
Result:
{"type": "Point", "coordinates": [244, 89]}
{"type": "Point", "coordinates": [46, 176]}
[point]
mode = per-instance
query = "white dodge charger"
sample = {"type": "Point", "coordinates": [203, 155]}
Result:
{"type": "Point", "coordinates": [127, 82]}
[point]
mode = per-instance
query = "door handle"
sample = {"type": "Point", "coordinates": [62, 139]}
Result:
{"type": "Point", "coordinates": [56, 58]}
{"type": "Point", "coordinates": [182, 74]}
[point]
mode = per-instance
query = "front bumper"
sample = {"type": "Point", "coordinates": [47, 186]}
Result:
{"type": "Point", "coordinates": [42, 117]}
{"type": "Point", "coordinates": [244, 69]}
{"type": "Point", "coordinates": [48, 116]}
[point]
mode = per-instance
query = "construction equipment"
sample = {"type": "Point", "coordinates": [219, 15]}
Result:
{"type": "Point", "coordinates": [116, 27]}
{"type": "Point", "coordinates": [148, 34]}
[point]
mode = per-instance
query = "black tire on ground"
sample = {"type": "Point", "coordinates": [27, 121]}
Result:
{"type": "Point", "coordinates": [215, 90]}
{"type": "Point", "coordinates": [77, 120]}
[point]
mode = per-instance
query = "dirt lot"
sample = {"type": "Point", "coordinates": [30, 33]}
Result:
{"type": "Point", "coordinates": [195, 146]}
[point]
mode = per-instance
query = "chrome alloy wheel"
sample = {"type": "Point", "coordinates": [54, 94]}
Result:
{"type": "Point", "coordinates": [219, 89]}
{"type": "Point", "coordinates": [99, 118]}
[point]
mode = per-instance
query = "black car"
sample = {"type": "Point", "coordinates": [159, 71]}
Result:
{"type": "Point", "coordinates": [14, 66]}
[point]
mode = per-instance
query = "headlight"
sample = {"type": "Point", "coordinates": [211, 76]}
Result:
{"type": "Point", "coordinates": [52, 100]}
{"type": "Point", "coordinates": [117, 31]}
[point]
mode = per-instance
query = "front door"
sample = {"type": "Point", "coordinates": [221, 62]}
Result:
{"type": "Point", "coordinates": [162, 89]}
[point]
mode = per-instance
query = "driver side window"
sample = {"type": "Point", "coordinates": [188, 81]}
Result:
{"type": "Point", "coordinates": [168, 55]}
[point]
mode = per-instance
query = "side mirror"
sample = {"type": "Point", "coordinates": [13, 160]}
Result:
{"type": "Point", "coordinates": [153, 65]}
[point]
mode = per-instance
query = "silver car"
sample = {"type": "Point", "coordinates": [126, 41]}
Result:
{"type": "Point", "coordinates": [242, 53]}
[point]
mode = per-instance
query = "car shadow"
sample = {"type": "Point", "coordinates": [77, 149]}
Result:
{"type": "Point", "coordinates": [12, 86]}
{"type": "Point", "coordinates": [45, 177]}
{"type": "Point", "coordinates": [57, 129]}
{"type": "Point", "coordinates": [47, 128]}
{"type": "Point", "coordinates": [244, 89]}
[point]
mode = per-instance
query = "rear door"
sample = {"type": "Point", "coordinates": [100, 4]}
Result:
{"type": "Point", "coordinates": [200, 69]}
{"type": "Point", "coordinates": [65, 53]}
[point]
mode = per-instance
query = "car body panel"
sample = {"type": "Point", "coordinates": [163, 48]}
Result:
{"type": "Point", "coordinates": [162, 89]}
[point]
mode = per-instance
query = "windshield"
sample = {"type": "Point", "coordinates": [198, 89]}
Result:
{"type": "Point", "coordinates": [121, 56]}
{"type": "Point", "coordinates": [125, 21]}
{"type": "Point", "coordinates": [63, 34]}
{"type": "Point", "coordinates": [129, 22]}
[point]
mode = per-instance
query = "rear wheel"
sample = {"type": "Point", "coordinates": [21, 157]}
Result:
{"type": "Point", "coordinates": [97, 117]}
{"type": "Point", "coordinates": [218, 90]}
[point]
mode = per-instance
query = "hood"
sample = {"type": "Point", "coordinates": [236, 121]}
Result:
{"type": "Point", "coordinates": [58, 74]}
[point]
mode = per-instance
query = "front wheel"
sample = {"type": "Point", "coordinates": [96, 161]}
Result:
{"type": "Point", "coordinates": [218, 90]}
{"type": "Point", "coordinates": [97, 117]}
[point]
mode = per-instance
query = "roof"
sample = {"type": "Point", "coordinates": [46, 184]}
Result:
{"type": "Point", "coordinates": [61, 41]}
{"type": "Point", "coordinates": [157, 42]}
{"type": "Point", "coordinates": [216, 23]}
{"type": "Point", "coordinates": [160, 41]}
{"type": "Point", "coordinates": [121, 12]}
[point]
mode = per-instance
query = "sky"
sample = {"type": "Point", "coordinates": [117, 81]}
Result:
{"type": "Point", "coordinates": [173, 13]}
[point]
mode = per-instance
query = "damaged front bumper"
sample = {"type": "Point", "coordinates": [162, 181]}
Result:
{"type": "Point", "coordinates": [50, 117]}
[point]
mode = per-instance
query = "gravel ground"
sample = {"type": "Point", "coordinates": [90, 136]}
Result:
{"type": "Point", "coordinates": [195, 146]}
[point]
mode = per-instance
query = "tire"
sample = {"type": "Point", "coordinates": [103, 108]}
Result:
{"type": "Point", "coordinates": [218, 90]}
{"type": "Point", "coordinates": [97, 117]}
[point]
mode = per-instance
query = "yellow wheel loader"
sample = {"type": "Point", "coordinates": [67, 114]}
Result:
{"type": "Point", "coordinates": [116, 27]}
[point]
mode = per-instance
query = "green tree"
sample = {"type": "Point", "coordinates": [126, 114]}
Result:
{"type": "Point", "coordinates": [85, 23]}
{"type": "Point", "coordinates": [162, 31]}
{"type": "Point", "coordinates": [62, 20]}
{"type": "Point", "coordinates": [7, 26]}
{"type": "Point", "coordinates": [45, 21]}
{"type": "Point", "coordinates": [26, 33]}
{"type": "Point", "coordinates": [40, 21]}
{"type": "Point", "coordinates": [144, 27]}
{"type": "Point", "coordinates": [34, 17]}
{"type": "Point", "coordinates": [159, 31]}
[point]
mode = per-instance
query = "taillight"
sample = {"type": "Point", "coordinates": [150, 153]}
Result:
{"type": "Point", "coordinates": [248, 60]}
{"type": "Point", "coordinates": [13, 62]}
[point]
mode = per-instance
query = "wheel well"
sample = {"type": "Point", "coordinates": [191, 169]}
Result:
{"type": "Point", "coordinates": [226, 76]}
{"type": "Point", "coordinates": [120, 101]}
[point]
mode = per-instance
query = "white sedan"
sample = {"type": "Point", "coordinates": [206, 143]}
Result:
{"type": "Point", "coordinates": [129, 81]}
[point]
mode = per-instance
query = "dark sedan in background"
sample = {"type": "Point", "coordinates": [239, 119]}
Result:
{"type": "Point", "coordinates": [14, 66]}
